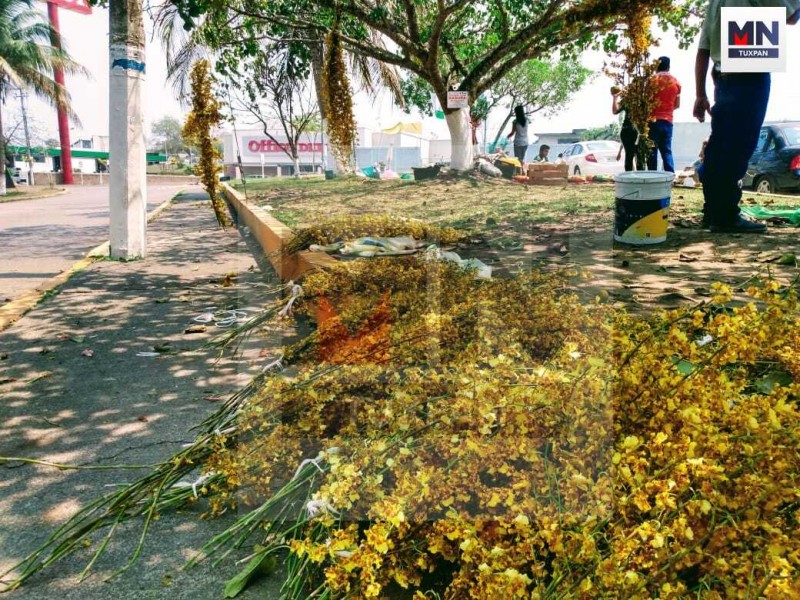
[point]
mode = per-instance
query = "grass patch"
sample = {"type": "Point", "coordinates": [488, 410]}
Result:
{"type": "Point", "coordinates": [467, 203]}
{"type": "Point", "coordinates": [15, 195]}
{"type": "Point", "coordinates": [11, 196]}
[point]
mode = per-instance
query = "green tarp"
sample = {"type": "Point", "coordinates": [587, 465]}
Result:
{"type": "Point", "coordinates": [773, 212]}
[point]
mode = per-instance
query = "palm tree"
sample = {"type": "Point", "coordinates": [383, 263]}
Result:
{"type": "Point", "coordinates": [27, 60]}
{"type": "Point", "coordinates": [184, 47]}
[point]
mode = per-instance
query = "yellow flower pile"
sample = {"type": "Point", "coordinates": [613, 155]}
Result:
{"type": "Point", "coordinates": [348, 228]}
{"type": "Point", "coordinates": [501, 440]}
{"type": "Point", "coordinates": [337, 99]}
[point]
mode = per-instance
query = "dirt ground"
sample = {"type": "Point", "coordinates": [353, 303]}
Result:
{"type": "Point", "coordinates": [512, 226]}
{"type": "Point", "coordinates": [677, 272]}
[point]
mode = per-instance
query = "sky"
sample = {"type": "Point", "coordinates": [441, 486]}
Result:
{"type": "Point", "coordinates": [86, 38]}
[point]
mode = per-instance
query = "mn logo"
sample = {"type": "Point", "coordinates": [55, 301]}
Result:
{"type": "Point", "coordinates": [753, 40]}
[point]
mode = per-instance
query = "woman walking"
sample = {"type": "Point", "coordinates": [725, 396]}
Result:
{"type": "Point", "coordinates": [519, 130]}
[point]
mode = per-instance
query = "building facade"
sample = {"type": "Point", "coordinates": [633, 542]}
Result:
{"type": "Point", "coordinates": [48, 160]}
{"type": "Point", "coordinates": [269, 156]}
{"type": "Point", "coordinates": [266, 156]}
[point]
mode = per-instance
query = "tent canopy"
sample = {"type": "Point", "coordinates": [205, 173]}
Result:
{"type": "Point", "coordinates": [400, 127]}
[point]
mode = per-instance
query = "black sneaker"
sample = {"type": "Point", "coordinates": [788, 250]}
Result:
{"type": "Point", "coordinates": [740, 225]}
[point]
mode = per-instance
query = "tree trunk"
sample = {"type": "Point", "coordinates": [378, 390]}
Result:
{"type": "Point", "coordinates": [460, 126]}
{"type": "Point", "coordinates": [3, 189]}
{"type": "Point", "coordinates": [503, 128]}
{"type": "Point", "coordinates": [317, 49]}
{"type": "Point", "coordinates": [296, 163]}
{"type": "Point", "coordinates": [317, 58]}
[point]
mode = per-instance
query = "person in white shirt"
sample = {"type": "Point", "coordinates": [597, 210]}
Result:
{"type": "Point", "coordinates": [519, 131]}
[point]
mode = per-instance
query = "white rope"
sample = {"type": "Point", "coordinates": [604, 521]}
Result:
{"type": "Point", "coordinates": [225, 318]}
{"type": "Point", "coordinates": [198, 483]}
{"type": "Point", "coordinates": [706, 339]}
{"type": "Point", "coordinates": [315, 461]}
{"type": "Point", "coordinates": [220, 432]}
{"type": "Point", "coordinates": [309, 461]}
{"type": "Point", "coordinates": [275, 364]}
{"type": "Point", "coordinates": [297, 291]}
{"type": "Point", "coordinates": [316, 507]}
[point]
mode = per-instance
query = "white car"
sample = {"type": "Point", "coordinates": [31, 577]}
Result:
{"type": "Point", "coordinates": [598, 157]}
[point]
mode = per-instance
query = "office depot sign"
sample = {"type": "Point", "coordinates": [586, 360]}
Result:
{"type": "Point", "coordinates": [266, 146]}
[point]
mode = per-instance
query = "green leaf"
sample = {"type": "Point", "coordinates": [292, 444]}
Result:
{"type": "Point", "coordinates": [766, 384]}
{"type": "Point", "coordinates": [260, 564]}
{"type": "Point", "coordinates": [684, 366]}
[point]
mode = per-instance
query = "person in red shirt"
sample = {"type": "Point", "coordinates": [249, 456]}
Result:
{"type": "Point", "coordinates": [667, 97]}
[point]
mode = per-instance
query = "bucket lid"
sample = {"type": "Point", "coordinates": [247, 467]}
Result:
{"type": "Point", "coordinates": [645, 177]}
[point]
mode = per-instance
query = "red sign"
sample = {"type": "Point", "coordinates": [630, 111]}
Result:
{"type": "Point", "coordinates": [81, 6]}
{"type": "Point", "coordinates": [270, 146]}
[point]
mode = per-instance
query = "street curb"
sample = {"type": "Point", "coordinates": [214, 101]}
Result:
{"type": "Point", "coordinates": [272, 236]}
{"type": "Point", "coordinates": [12, 311]}
{"type": "Point", "coordinates": [56, 192]}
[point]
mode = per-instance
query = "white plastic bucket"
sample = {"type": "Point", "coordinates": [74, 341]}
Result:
{"type": "Point", "coordinates": [642, 206]}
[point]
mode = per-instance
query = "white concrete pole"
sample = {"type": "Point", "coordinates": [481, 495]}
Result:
{"type": "Point", "coordinates": [127, 159]}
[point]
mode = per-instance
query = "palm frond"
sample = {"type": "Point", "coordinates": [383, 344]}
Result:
{"type": "Point", "coordinates": [27, 60]}
{"type": "Point", "coordinates": [374, 75]}
{"type": "Point", "coordinates": [182, 48]}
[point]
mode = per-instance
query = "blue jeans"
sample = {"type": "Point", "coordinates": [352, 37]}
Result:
{"type": "Point", "coordinates": [661, 134]}
{"type": "Point", "coordinates": [740, 103]}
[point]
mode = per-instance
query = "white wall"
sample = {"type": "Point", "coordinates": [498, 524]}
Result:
{"type": "Point", "coordinates": [439, 151]}
{"type": "Point", "coordinates": [365, 136]}
{"type": "Point", "coordinates": [38, 167]}
{"type": "Point", "coordinates": [84, 165]}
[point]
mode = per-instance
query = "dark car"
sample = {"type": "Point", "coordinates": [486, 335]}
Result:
{"type": "Point", "coordinates": [775, 164]}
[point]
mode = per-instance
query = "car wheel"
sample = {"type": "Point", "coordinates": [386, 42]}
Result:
{"type": "Point", "coordinates": [577, 170]}
{"type": "Point", "coordinates": [764, 185]}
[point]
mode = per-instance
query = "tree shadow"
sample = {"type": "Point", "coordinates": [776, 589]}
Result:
{"type": "Point", "coordinates": [104, 373]}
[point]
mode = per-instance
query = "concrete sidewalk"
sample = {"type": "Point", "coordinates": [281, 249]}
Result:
{"type": "Point", "coordinates": [73, 390]}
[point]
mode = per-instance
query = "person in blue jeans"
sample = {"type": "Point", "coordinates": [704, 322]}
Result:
{"type": "Point", "coordinates": [660, 132]}
{"type": "Point", "coordinates": [667, 97]}
{"type": "Point", "coordinates": [740, 104]}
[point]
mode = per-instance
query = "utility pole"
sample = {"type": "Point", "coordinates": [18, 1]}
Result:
{"type": "Point", "coordinates": [22, 95]}
{"type": "Point", "coordinates": [127, 152]}
{"type": "Point", "coordinates": [58, 76]}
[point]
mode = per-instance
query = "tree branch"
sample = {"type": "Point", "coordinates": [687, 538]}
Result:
{"type": "Point", "coordinates": [533, 51]}
{"type": "Point", "coordinates": [503, 19]}
{"type": "Point", "coordinates": [524, 37]}
{"type": "Point", "coordinates": [411, 17]}
{"type": "Point", "coordinates": [450, 51]}
{"type": "Point", "coordinates": [364, 14]}
{"type": "Point", "coordinates": [438, 26]}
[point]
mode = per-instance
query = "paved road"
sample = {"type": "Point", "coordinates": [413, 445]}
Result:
{"type": "Point", "coordinates": [41, 238]}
